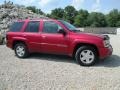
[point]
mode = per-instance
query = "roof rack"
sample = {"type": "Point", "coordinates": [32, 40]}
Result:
{"type": "Point", "coordinates": [29, 18]}
{"type": "Point", "coordinates": [38, 18]}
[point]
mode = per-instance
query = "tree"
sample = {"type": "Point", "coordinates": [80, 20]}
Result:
{"type": "Point", "coordinates": [96, 19]}
{"type": "Point", "coordinates": [70, 13]}
{"type": "Point", "coordinates": [57, 13]}
{"type": "Point", "coordinates": [38, 11]}
{"type": "Point", "coordinates": [35, 10]}
{"type": "Point", "coordinates": [118, 24]}
{"type": "Point", "coordinates": [32, 8]}
{"type": "Point", "coordinates": [113, 18]}
{"type": "Point", "coordinates": [81, 18]}
{"type": "Point", "coordinates": [48, 15]}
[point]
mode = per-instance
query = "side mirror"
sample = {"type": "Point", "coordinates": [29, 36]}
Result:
{"type": "Point", "coordinates": [62, 31]}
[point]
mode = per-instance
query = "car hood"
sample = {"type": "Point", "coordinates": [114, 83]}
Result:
{"type": "Point", "coordinates": [89, 36]}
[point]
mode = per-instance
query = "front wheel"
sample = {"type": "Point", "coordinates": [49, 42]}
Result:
{"type": "Point", "coordinates": [86, 56]}
{"type": "Point", "coordinates": [21, 50]}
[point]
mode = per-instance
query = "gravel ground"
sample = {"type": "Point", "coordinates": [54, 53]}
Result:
{"type": "Point", "coordinates": [52, 72]}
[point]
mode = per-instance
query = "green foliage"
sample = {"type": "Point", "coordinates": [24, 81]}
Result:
{"type": "Point", "coordinates": [118, 24]}
{"type": "Point", "coordinates": [81, 18]}
{"type": "Point", "coordinates": [113, 18]}
{"type": "Point", "coordinates": [96, 19]}
{"type": "Point", "coordinates": [32, 8]}
{"type": "Point", "coordinates": [35, 10]}
{"type": "Point", "coordinates": [57, 13]}
{"type": "Point", "coordinates": [48, 15]}
{"type": "Point", "coordinates": [70, 13]}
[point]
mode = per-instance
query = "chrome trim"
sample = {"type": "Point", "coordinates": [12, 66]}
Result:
{"type": "Point", "coordinates": [59, 45]}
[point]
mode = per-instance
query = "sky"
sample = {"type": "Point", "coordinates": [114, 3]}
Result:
{"type": "Point", "coordinates": [91, 5]}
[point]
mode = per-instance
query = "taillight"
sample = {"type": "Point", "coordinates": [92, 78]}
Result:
{"type": "Point", "coordinates": [6, 36]}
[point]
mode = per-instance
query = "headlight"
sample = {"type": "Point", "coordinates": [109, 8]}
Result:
{"type": "Point", "coordinates": [106, 43]}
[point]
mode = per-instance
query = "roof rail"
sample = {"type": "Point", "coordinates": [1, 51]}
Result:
{"type": "Point", "coordinates": [38, 18]}
{"type": "Point", "coordinates": [29, 18]}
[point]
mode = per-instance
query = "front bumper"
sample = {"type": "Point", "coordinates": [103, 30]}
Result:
{"type": "Point", "coordinates": [105, 52]}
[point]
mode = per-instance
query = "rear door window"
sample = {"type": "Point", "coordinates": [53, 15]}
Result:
{"type": "Point", "coordinates": [16, 27]}
{"type": "Point", "coordinates": [32, 26]}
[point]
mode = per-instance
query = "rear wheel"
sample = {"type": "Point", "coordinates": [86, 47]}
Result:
{"type": "Point", "coordinates": [86, 56]}
{"type": "Point", "coordinates": [21, 50]}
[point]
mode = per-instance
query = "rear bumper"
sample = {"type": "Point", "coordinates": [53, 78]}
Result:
{"type": "Point", "coordinates": [105, 52]}
{"type": "Point", "coordinates": [9, 45]}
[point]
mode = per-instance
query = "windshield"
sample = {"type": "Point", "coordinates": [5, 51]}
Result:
{"type": "Point", "coordinates": [69, 26]}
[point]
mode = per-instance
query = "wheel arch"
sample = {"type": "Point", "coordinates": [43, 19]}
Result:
{"type": "Point", "coordinates": [84, 44]}
{"type": "Point", "coordinates": [18, 41]}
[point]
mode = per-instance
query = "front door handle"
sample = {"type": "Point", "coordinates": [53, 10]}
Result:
{"type": "Point", "coordinates": [24, 35]}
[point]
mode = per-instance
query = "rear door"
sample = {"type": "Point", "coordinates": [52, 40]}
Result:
{"type": "Point", "coordinates": [51, 40]}
{"type": "Point", "coordinates": [32, 34]}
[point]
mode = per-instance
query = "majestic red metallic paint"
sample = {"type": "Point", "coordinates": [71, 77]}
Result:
{"type": "Point", "coordinates": [56, 43]}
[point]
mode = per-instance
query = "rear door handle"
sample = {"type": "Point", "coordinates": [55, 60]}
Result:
{"type": "Point", "coordinates": [43, 36]}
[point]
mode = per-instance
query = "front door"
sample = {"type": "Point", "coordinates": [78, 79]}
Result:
{"type": "Point", "coordinates": [52, 41]}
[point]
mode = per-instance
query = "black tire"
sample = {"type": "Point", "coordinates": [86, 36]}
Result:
{"type": "Point", "coordinates": [78, 55]}
{"type": "Point", "coordinates": [26, 52]}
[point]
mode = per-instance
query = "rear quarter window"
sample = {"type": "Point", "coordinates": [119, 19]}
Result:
{"type": "Point", "coordinates": [16, 27]}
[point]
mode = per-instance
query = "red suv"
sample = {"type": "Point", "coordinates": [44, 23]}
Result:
{"type": "Point", "coordinates": [57, 37]}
